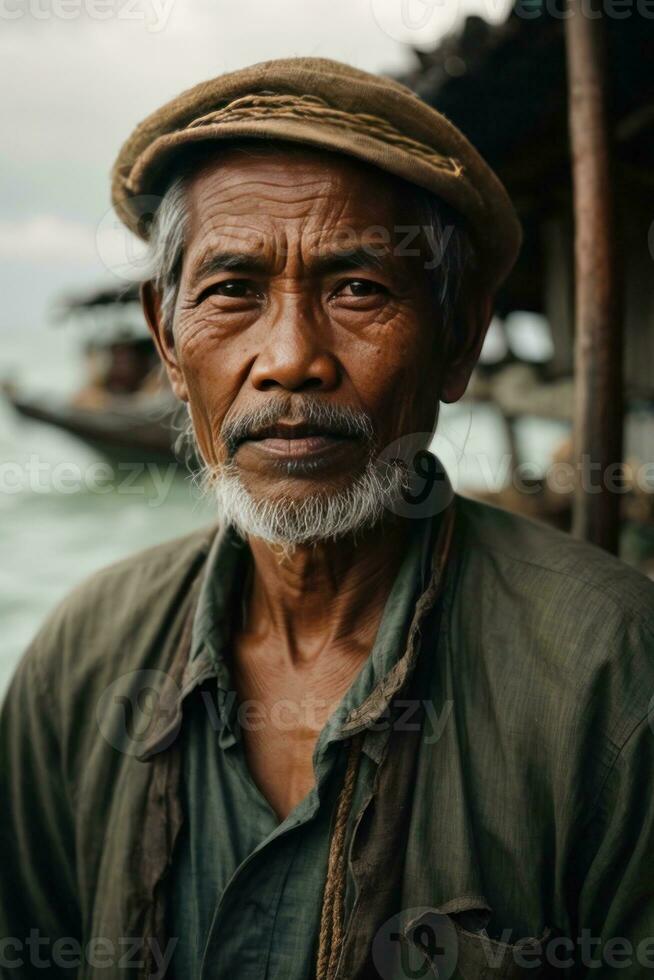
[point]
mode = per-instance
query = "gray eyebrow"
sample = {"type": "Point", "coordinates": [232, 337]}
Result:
{"type": "Point", "coordinates": [226, 261]}
{"type": "Point", "coordinates": [359, 257]}
{"type": "Point", "coordinates": [332, 261]}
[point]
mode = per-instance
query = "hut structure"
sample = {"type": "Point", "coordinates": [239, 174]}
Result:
{"type": "Point", "coordinates": [507, 87]}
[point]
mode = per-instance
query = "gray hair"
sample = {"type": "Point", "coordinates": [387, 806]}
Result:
{"type": "Point", "coordinates": [451, 250]}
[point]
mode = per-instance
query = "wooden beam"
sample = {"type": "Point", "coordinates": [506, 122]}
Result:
{"type": "Point", "coordinates": [598, 328]}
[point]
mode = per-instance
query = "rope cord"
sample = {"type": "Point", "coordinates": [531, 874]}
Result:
{"type": "Point", "coordinates": [330, 940]}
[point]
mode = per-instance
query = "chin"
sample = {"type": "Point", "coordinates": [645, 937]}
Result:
{"type": "Point", "coordinates": [306, 508]}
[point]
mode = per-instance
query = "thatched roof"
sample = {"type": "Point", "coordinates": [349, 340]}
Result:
{"type": "Point", "coordinates": [505, 86]}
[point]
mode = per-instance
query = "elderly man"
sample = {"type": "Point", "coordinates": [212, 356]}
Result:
{"type": "Point", "coordinates": [366, 728]}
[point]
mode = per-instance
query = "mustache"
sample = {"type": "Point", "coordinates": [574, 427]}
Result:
{"type": "Point", "coordinates": [337, 420]}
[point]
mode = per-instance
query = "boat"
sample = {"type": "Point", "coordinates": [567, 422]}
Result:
{"type": "Point", "coordinates": [125, 408]}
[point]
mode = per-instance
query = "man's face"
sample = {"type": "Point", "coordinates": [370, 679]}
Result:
{"type": "Point", "coordinates": [295, 290]}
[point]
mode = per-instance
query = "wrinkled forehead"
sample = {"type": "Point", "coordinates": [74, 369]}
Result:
{"type": "Point", "coordinates": [269, 194]}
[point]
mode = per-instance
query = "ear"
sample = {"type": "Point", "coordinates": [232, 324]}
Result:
{"type": "Point", "coordinates": [163, 339]}
{"type": "Point", "coordinates": [472, 322]}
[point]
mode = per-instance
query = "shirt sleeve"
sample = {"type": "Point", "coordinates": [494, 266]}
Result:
{"type": "Point", "coordinates": [39, 914]}
{"type": "Point", "coordinates": [617, 897]}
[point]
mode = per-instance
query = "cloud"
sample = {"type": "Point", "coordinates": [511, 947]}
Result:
{"type": "Point", "coordinates": [422, 23]}
{"type": "Point", "coordinates": [80, 83]}
{"type": "Point", "coordinates": [46, 238]}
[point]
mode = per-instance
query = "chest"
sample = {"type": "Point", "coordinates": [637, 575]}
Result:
{"type": "Point", "coordinates": [282, 709]}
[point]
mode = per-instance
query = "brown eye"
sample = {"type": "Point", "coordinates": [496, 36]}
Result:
{"type": "Point", "coordinates": [234, 287]}
{"type": "Point", "coordinates": [231, 288]}
{"type": "Point", "coordinates": [360, 288]}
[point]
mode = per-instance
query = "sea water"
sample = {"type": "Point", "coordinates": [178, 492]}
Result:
{"type": "Point", "coordinates": [66, 512]}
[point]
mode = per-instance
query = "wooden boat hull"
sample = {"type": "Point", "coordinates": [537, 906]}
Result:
{"type": "Point", "coordinates": [134, 432]}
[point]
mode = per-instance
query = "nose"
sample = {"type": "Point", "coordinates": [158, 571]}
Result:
{"type": "Point", "coordinates": [294, 356]}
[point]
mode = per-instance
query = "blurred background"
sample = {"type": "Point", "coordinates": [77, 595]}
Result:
{"type": "Point", "coordinates": [88, 471]}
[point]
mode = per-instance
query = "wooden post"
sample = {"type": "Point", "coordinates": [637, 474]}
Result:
{"type": "Point", "coordinates": [598, 341]}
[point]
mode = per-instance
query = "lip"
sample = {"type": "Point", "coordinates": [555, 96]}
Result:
{"type": "Point", "coordinates": [303, 443]}
{"type": "Point", "coordinates": [292, 431]}
{"type": "Point", "coordinates": [293, 441]}
{"type": "Point", "coordinates": [298, 447]}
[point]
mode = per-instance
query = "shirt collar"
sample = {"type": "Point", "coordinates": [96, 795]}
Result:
{"type": "Point", "coordinates": [224, 586]}
{"type": "Point", "coordinates": [209, 630]}
{"type": "Point", "coordinates": [219, 601]}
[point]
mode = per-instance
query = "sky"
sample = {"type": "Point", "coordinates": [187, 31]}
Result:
{"type": "Point", "coordinates": [78, 75]}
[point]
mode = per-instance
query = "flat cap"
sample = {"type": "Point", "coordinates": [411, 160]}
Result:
{"type": "Point", "coordinates": [330, 105]}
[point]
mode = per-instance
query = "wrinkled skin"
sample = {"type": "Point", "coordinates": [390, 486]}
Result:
{"type": "Point", "coordinates": [284, 320]}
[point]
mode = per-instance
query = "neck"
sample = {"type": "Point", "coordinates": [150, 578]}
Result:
{"type": "Point", "coordinates": [325, 596]}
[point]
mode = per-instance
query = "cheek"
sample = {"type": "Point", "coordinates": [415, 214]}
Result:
{"type": "Point", "coordinates": [213, 386]}
{"type": "Point", "coordinates": [397, 381]}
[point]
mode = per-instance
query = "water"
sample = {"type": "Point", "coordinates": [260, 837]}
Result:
{"type": "Point", "coordinates": [60, 523]}
{"type": "Point", "coordinates": [60, 517]}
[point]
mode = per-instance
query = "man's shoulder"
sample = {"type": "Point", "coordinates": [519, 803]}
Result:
{"type": "Point", "coordinates": [108, 617]}
{"type": "Point", "coordinates": [538, 557]}
{"type": "Point", "coordinates": [555, 619]}
{"type": "Point", "coordinates": [133, 581]}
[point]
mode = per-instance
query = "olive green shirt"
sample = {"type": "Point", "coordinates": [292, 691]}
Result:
{"type": "Point", "coordinates": [247, 889]}
{"type": "Point", "coordinates": [526, 804]}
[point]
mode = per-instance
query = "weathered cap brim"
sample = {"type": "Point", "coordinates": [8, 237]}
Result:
{"type": "Point", "coordinates": [324, 104]}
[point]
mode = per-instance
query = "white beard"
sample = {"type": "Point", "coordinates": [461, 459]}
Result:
{"type": "Point", "coordinates": [317, 517]}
